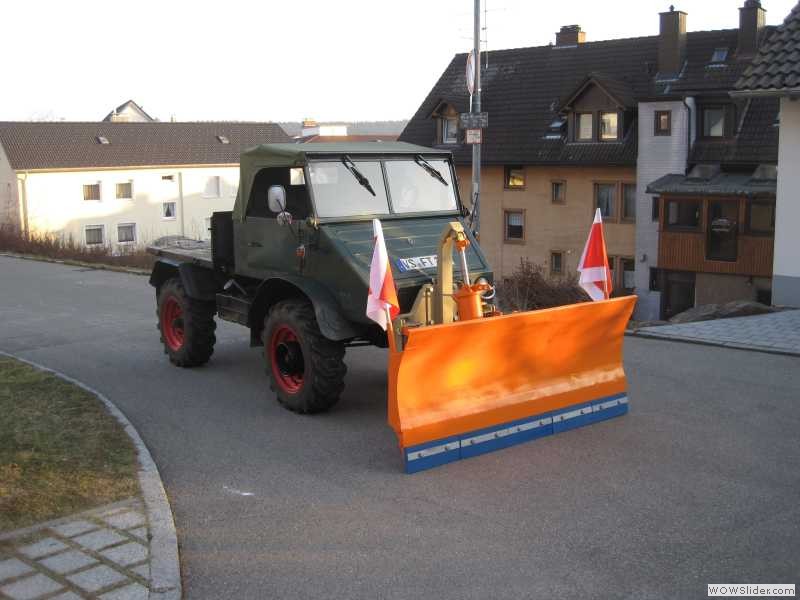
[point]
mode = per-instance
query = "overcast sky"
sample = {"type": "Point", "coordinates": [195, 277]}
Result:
{"type": "Point", "coordinates": [282, 60]}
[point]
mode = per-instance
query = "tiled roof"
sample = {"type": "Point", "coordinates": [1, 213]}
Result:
{"type": "Point", "coordinates": [523, 89]}
{"type": "Point", "coordinates": [756, 142]}
{"type": "Point", "coordinates": [76, 145]}
{"type": "Point", "coordinates": [776, 66]}
{"type": "Point", "coordinates": [722, 184]}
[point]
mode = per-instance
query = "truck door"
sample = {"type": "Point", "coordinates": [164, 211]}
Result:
{"type": "Point", "coordinates": [268, 247]}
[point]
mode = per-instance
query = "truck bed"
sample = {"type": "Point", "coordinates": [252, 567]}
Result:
{"type": "Point", "coordinates": [192, 251]}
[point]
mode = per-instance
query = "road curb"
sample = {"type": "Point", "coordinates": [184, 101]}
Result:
{"type": "Point", "coordinates": [706, 342]}
{"type": "Point", "coordinates": [77, 263]}
{"type": "Point", "coordinates": [165, 572]}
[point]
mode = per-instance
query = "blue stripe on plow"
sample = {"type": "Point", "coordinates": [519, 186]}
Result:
{"type": "Point", "coordinates": [432, 454]}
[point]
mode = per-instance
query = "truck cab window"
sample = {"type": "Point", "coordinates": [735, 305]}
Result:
{"type": "Point", "coordinates": [297, 201]}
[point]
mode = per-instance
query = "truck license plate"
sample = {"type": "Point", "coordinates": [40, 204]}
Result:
{"type": "Point", "coordinates": [417, 262]}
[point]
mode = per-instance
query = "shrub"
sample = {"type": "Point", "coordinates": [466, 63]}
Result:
{"type": "Point", "coordinates": [55, 246]}
{"type": "Point", "coordinates": [530, 288]}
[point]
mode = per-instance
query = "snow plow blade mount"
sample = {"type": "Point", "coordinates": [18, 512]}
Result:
{"type": "Point", "coordinates": [462, 389]}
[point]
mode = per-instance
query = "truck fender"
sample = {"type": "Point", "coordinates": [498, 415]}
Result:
{"type": "Point", "coordinates": [198, 282]}
{"type": "Point", "coordinates": [332, 323]}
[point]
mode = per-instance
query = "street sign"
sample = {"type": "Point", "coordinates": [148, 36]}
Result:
{"type": "Point", "coordinates": [473, 136]}
{"type": "Point", "coordinates": [471, 72]}
{"type": "Point", "coordinates": [472, 121]}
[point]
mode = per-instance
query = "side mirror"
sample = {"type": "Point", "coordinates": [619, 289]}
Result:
{"type": "Point", "coordinates": [276, 198]}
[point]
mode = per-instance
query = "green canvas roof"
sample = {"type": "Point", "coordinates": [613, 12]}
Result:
{"type": "Point", "coordinates": [296, 155]}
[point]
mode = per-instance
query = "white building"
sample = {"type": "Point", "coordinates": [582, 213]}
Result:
{"type": "Point", "coordinates": [121, 184]}
{"type": "Point", "coordinates": [775, 72]}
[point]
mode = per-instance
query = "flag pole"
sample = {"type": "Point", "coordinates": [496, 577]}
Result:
{"type": "Point", "coordinates": [390, 331]}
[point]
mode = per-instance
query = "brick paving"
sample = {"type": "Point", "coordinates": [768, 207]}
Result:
{"type": "Point", "coordinates": [99, 554]}
{"type": "Point", "coordinates": [776, 332]}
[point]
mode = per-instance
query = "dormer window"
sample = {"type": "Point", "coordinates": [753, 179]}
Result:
{"type": "Point", "coordinates": [608, 126]}
{"type": "Point", "coordinates": [450, 130]}
{"type": "Point", "coordinates": [446, 118]}
{"type": "Point", "coordinates": [719, 56]}
{"type": "Point", "coordinates": [713, 118]}
{"type": "Point", "coordinates": [584, 128]}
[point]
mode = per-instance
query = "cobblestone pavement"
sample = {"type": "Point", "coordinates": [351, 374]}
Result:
{"type": "Point", "coordinates": [776, 332]}
{"type": "Point", "coordinates": [102, 553]}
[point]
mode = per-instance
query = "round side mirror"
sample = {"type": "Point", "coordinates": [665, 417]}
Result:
{"type": "Point", "coordinates": [284, 218]}
{"type": "Point", "coordinates": [276, 198]}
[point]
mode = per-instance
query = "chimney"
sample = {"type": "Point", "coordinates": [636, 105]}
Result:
{"type": "Point", "coordinates": [570, 35]}
{"type": "Point", "coordinates": [672, 41]}
{"type": "Point", "coordinates": [752, 19]}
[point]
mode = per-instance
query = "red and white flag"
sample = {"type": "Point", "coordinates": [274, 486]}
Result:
{"type": "Point", "coordinates": [595, 276]}
{"type": "Point", "coordinates": [382, 294]}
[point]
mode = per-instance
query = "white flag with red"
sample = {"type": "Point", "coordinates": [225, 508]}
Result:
{"type": "Point", "coordinates": [382, 296]}
{"type": "Point", "coordinates": [595, 275]}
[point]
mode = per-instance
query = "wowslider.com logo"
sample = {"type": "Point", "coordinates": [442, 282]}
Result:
{"type": "Point", "coordinates": [751, 590]}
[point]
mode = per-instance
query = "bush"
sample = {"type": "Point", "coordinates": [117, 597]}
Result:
{"type": "Point", "coordinates": [51, 245]}
{"type": "Point", "coordinates": [530, 288]}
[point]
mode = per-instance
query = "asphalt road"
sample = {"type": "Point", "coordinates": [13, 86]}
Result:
{"type": "Point", "coordinates": [699, 483]}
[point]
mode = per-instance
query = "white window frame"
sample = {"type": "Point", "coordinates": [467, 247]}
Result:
{"type": "Point", "coordinates": [102, 229]}
{"type": "Point", "coordinates": [99, 185]}
{"type": "Point", "coordinates": [219, 187]}
{"type": "Point", "coordinates": [129, 182]}
{"type": "Point", "coordinates": [450, 125]}
{"type": "Point", "coordinates": [174, 216]}
{"type": "Point", "coordinates": [126, 242]}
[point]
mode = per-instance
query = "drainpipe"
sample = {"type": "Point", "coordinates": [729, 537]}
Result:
{"type": "Point", "coordinates": [180, 202]}
{"type": "Point", "coordinates": [22, 190]}
{"type": "Point", "coordinates": [688, 134]}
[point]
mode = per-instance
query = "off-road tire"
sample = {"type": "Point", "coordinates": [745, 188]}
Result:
{"type": "Point", "coordinates": [323, 368]}
{"type": "Point", "coordinates": [196, 319]}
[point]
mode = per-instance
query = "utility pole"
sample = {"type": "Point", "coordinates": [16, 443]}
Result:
{"type": "Point", "coordinates": [476, 110]}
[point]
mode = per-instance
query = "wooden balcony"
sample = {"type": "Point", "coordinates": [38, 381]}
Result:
{"type": "Point", "coordinates": [686, 251]}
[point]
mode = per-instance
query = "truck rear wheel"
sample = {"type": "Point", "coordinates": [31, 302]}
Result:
{"type": "Point", "coordinates": [306, 370]}
{"type": "Point", "coordinates": [186, 325]}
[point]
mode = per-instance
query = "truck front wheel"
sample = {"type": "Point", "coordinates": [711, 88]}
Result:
{"type": "Point", "coordinates": [306, 370]}
{"type": "Point", "coordinates": [186, 325]}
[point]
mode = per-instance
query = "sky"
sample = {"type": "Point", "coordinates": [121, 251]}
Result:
{"type": "Point", "coordinates": [283, 60]}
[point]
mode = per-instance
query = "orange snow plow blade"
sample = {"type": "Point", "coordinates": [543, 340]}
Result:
{"type": "Point", "coordinates": [461, 389]}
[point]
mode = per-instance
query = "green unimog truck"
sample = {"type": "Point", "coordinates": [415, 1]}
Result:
{"type": "Point", "coordinates": [291, 261]}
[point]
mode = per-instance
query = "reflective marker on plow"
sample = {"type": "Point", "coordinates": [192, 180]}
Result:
{"type": "Point", "coordinates": [432, 454]}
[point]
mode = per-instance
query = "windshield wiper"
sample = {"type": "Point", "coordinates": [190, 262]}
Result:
{"type": "Point", "coordinates": [350, 166]}
{"type": "Point", "coordinates": [429, 168]}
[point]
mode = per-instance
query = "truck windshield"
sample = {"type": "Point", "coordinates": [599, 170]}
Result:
{"type": "Point", "coordinates": [415, 189]}
{"type": "Point", "coordinates": [423, 185]}
{"type": "Point", "coordinates": [337, 193]}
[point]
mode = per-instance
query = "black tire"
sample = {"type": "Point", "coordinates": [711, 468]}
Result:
{"type": "Point", "coordinates": [306, 370]}
{"type": "Point", "coordinates": [186, 325]}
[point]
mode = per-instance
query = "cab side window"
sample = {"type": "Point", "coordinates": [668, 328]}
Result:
{"type": "Point", "coordinates": [297, 201]}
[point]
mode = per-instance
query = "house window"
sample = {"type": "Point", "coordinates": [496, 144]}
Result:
{"type": "Point", "coordinates": [604, 198]}
{"type": "Point", "coordinates": [723, 230]}
{"type": "Point", "coordinates": [608, 126]}
{"type": "Point", "coordinates": [450, 130]}
{"type": "Point", "coordinates": [168, 209]}
{"type": "Point", "coordinates": [556, 263]}
{"type": "Point", "coordinates": [91, 191]}
{"type": "Point", "coordinates": [628, 268]}
{"type": "Point", "coordinates": [583, 126]}
{"type": "Point", "coordinates": [125, 191]}
{"type": "Point", "coordinates": [515, 226]}
{"type": "Point", "coordinates": [683, 214]}
{"type": "Point", "coordinates": [628, 201]}
{"type": "Point", "coordinates": [761, 218]}
{"type": "Point", "coordinates": [126, 233]}
{"type": "Point", "coordinates": [515, 178]}
{"type": "Point", "coordinates": [168, 178]}
{"type": "Point", "coordinates": [213, 187]}
{"type": "Point", "coordinates": [94, 235]}
{"type": "Point", "coordinates": [558, 192]}
{"type": "Point", "coordinates": [663, 122]}
{"type": "Point", "coordinates": [654, 206]}
{"type": "Point", "coordinates": [719, 56]}
{"type": "Point", "coordinates": [713, 121]}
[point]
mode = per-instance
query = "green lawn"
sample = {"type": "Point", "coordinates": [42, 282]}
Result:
{"type": "Point", "coordinates": [60, 451]}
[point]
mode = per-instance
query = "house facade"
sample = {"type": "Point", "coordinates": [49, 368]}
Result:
{"type": "Point", "coordinates": [775, 73]}
{"type": "Point", "coordinates": [120, 184]}
{"type": "Point", "coordinates": [580, 125]}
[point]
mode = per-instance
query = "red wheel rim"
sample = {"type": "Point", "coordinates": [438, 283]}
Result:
{"type": "Point", "coordinates": [172, 323]}
{"type": "Point", "coordinates": [286, 358]}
